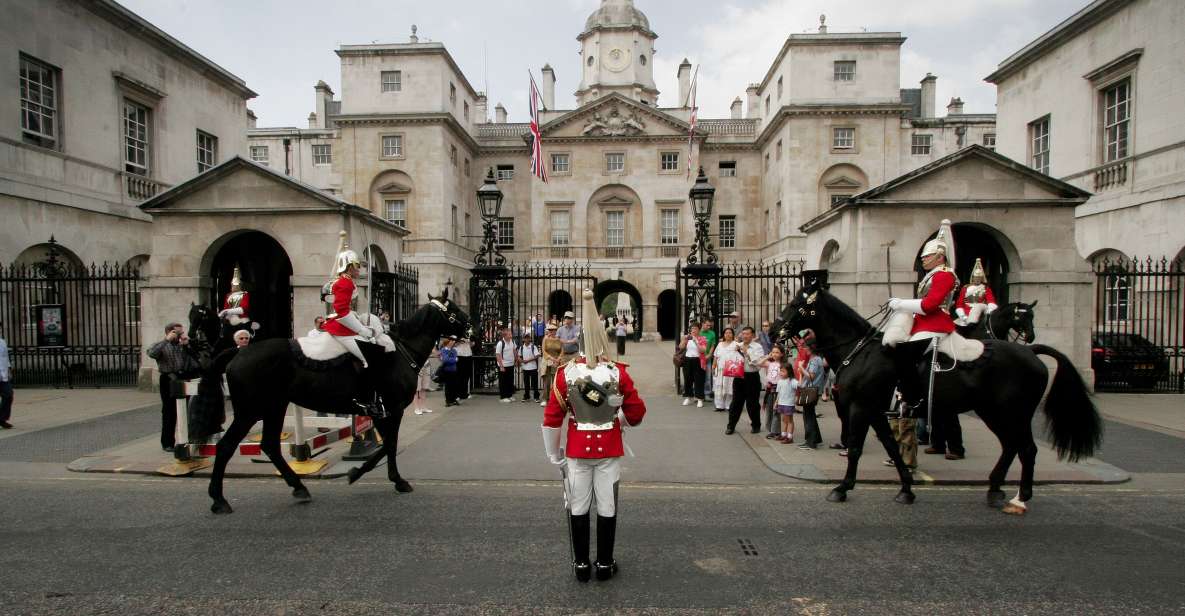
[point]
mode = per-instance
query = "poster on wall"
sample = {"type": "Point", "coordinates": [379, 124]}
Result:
{"type": "Point", "coordinates": [51, 325]}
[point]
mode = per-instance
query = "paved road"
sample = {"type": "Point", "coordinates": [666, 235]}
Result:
{"type": "Point", "coordinates": [77, 544]}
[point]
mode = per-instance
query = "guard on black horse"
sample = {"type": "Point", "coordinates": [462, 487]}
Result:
{"type": "Point", "coordinates": [975, 298]}
{"type": "Point", "coordinates": [343, 325]}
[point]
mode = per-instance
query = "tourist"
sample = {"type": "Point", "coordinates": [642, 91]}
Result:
{"type": "Point", "coordinates": [785, 390]}
{"type": "Point", "coordinates": [552, 348]}
{"type": "Point", "coordinates": [746, 391]}
{"type": "Point", "coordinates": [620, 330]}
{"type": "Point", "coordinates": [764, 338]}
{"type": "Point", "coordinates": [464, 368]}
{"type": "Point", "coordinates": [695, 350]}
{"type": "Point", "coordinates": [529, 360]}
{"type": "Point", "coordinates": [506, 356]}
{"type": "Point", "coordinates": [811, 374]}
{"type": "Point", "coordinates": [771, 365]}
{"type": "Point", "coordinates": [946, 435]}
{"type": "Point", "coordinates": [172, 361]}
{"type": "Point", "coordinates": [734, 321]}
{"type": "Point", "coordinates": [318, 321]}
{"type": "Point", "coordinates": [242, 338]}
{"type": "Point", "coordinates": [905, 432]}
{"type": "Point", "coordinates": [5, 384]}
{"type": "Point", "coordinates": [725, 350]}
{"type": "Point", "coordinates": [538, 326]}
{"type": "Point", "coordinates": [448, 370]}
{"type": "Point", "coordinates": [569, 335]}
{"type": "Point", "coordinates": [423, 380]}
{"type": "Point", "coordinates": [709, 332]}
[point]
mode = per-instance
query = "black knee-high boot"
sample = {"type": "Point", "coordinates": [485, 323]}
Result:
{"type": "Point", "coordinates": [606, 535]}
{"type": "Point", "coordinates": [580, 529]}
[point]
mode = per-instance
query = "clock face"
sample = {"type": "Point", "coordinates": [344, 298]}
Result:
{"type": "Point", "coordinates": [617, 60]}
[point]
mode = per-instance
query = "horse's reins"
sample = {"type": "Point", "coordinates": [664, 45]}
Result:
{"type": "Point", "coordinates": [860, 341]}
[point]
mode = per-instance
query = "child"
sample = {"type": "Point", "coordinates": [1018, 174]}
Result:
{"type": "Point", "coordinates": [786, 390]}
{"type": "Point", "coordinates": [772, 364]}
{"type": "Point", "coordinates": [529, 362]}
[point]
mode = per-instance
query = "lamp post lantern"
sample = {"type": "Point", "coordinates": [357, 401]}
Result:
{"type": "Point", "coordinates": [699, 278]}
{"type": "Point", "coordinates": [489, 288]}
{"type": "Point", "coordinates": [489, 200]}
{"type": "Point", "coordinates": [701, 195]}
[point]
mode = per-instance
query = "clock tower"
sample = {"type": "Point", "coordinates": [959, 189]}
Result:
{"type": "Point", "coordinates": [616, 53]}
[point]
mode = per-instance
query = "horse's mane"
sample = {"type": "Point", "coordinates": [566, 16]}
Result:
{"type": "Point", "coordinates": [415, 322]}
{"type": "Point", "coordinates": [844, 312]}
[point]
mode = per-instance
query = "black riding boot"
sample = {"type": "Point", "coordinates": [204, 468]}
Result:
{"type": "Point", "coordinates": [906, 356]}
{"type": "Point", "coordinates": [367, 402]}
{"type": "Point", "coordinates": [606, 535]}
{"type": "Point", "coordinates": [580, 528]}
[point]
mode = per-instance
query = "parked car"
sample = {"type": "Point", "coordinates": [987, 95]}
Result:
{"type": "Point", "coordinates": [1130, 359]}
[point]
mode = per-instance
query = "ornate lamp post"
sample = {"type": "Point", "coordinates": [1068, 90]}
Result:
{"type": "Point", "coordinates": [700, 278]}
{"type": "Point", "coordinates": [489, 294]}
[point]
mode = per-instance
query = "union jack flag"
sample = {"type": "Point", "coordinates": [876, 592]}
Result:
{"type": "Point", "coordinates": [691, 132]}
{"type": "Point", "coordinates": [538, 168]}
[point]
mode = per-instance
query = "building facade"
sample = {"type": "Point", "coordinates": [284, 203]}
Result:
{"type": "Point", "coordinates": [410, 139]}
{"type": "Point", "coordinates": [110, 111]}
{"type": "Point", "coordinates": [1097, 102]}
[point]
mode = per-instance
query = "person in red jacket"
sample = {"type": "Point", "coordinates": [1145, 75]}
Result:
{"type": "Point", "coordinates": [343, 325]}
{"type": "Point", "coordinates": [975, 298]}
{"type": "Point", "coordinates": [931, 317]}
{"type": "Point", "coordinates": [596, 396]}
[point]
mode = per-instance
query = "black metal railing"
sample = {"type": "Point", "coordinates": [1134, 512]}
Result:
{"type": "Point", "coordinates": [396, 292]}
{"type": "Point", "coordinates": [1138, 337]}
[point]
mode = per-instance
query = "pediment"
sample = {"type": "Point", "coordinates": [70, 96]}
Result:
{"type": "Point", "coordinates": [238, 185]}
{"type": "Point", "coordinates": [841, 182]}
{"type": "Point", "coordinates": [614, 200]}
{"type": "Point", "coordinates": [614, 116]}
{"type": "Point", "coordinates": [394, 188]}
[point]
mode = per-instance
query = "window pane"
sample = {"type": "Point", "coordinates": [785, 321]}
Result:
{"type": "Point", "coordinates": [322, 154]}
{"type": "Point", "coordinates": [615, 162]}
{"type": "Point", "coordinates": [728, 231]}
{"type": "Point", "coordinates": [392, 145]}
{"type": "Point", "coordinates": [505, 233]}
{"type": "Point", "coordinates": [669, 233]}
{"type": "Point", "coordinates": [845, 70]}
{"type": "Point", "coordinates": [559, 227]}
{"type": "Point", "coordinates": [38, 85]}
{"type": "Point", "coordinates": [135, 132]}
{"type": "Point", "coordinates": [395, 210]}
{"type": "Point", "coordinates": [1116, 118]}
{"type": "Point", "coordinates": [615, 228]}
{"type": "Point", "coordinates": [559, 163]}
{"type": "Point", "coordinates": [392, 81]}
{"type": "Point", "coordinates": [728, 168]}
{"type": "Point", "coordinates": [505, 172]}
{"type": "Point", "coordinates": [843, 138]}
{"type": "Point", "coordinates": [669, 161]}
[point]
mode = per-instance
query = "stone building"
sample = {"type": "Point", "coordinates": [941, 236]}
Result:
{"type": "Point", "coordinates": [410, 139]}
{"type": "Point", "coordinates": [110, 111]}
{"type": "Point", "coordinates": [1097, 102]}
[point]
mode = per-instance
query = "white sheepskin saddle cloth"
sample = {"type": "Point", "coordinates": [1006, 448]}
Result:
{"type": "Point", "coordinates": [323, 346]}
{"type": "Point", "coordinates": [953, 345]}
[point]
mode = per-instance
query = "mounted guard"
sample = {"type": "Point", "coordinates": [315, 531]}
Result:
{"type": "Point", "coordinates": [344, 325]}
{"type": "Point", "coordinates": [917, 325]}
{"type": "Point", "coordinates": [975, 298]}
{"type": "Point", "coordinates": [596, 396]}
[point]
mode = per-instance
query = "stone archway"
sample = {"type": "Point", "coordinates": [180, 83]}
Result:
{"type": "Point", "coordinates": [668, 314]}
{"type": "Point", "coordinates": [829, 255]}
{"type": "Point", "coordinates": [559, 302]}
{"type": "Point", "coordinates": [607, 293]}
{"type": "Point", "coordinates": [974, 240]}
{"type": "Point", "coordinates": [266, 274]}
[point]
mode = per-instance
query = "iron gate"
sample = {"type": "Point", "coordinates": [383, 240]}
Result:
{"type": "Point", "coordinates": [71, 325]}
{"type": "Point", "coordinates": [1138, 338]}
{"type": "Point", "coordinates": [395, 292]}
{"type": "Point", "coordinates": [509, 296]}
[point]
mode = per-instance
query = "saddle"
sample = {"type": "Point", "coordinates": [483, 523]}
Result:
{"type": "Point", "coordinates": [320, 352]}
{"type": "Point", "coordinates": [961, 350]}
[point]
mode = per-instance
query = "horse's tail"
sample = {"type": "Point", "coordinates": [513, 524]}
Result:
{"type": "Point", "coordinates": [1071, 419]}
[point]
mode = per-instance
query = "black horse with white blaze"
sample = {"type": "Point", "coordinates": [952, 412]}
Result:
{"type": "Point", "coordinates": [1004, 387]}
{"type": "Point", "coordinates": [266, 376]}
{"type": "Point", "coordinates": [1013, 322]}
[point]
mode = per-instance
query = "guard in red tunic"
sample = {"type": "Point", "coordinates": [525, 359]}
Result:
{"type": "Point", "coordinates": [236, 306]}
{"type": "Point", "coordinates": [596, 396]}
{"type": "Point", "coordinates": [931, 317]}
{"type": "Point", "coordinates": [344, 325]}
{"type": "Point", "coordinates": [975, 298]}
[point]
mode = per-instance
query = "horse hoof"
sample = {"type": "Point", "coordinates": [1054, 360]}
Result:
{"type": "Point", "coordinates": [1012, 509]}
{"type": "Point", "coordinates": [837, 496]}
{"type": "Point", "coordinates": [995, 499]}
{"type": "Point", "coordinates": [354, 474]}
{"type": "Point", "coordinates": [905, 498]}
{"type": "Point", "coordinates": [221, 507]}
{"type": "Point", "coordinates": [301, 494]}
{"type": "Point", "coordinates": [402, 486]}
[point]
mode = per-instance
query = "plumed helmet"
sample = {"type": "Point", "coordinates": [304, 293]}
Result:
{"type": "Point", "coordinates": [345, 259]}
{"type": "Point", "coordinates": [943, 243]}
{"type": "Point", "coordinates": [977, 274]}
{"type": "Point", "coordinates": [596, 341]}
{"type": "Point", "coordinates": [236, 279]}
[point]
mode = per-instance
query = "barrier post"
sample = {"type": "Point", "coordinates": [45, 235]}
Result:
{"type": "Point", "coordinates": [184, 462]}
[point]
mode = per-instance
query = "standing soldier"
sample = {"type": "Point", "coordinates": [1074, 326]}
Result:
{"type": "Point", "coordinates": [596, 396]}
{"type": "Point", "coordinates": [343, 325]}
{"type": "Point", "coordinates": [929, 315]}
{"type": "Point", "coordinates": [976, 298]}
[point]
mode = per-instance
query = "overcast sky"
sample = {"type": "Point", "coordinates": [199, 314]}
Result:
{"type": "Point", "coordinates": [282, 47]}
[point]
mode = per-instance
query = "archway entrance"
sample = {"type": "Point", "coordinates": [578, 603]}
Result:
{"type": "Point", "coordinates": [975, 241]}
{"type": "Point", "coordinates": [266, 275]}
{"type": "Point", "coordinates": [668, 314]}
{"type": "Point", "coordinates": [620, 299]}
{"type": "Point", "coordinates": [558, 302]}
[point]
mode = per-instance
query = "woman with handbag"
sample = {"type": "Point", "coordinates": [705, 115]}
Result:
{"type": "Point", "coordinates": [811, 374]}
{"type": "Point", "coordinates": [694, 349]}
{"type": "Point", "coordinates": [726, 355]}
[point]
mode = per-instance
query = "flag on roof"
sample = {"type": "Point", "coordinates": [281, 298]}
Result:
{"type": "Point", "coordinates": [538, 169]}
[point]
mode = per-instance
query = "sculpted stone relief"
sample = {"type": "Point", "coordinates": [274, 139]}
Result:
{"type": "Point", "coordinates": [613, 124]}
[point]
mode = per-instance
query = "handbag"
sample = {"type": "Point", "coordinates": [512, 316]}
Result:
{"type": "Point", "coordinates": [807, 396]}
{"type": "Point", "coordinates": [629, 329]}
{"type": "Point", "coordinates": [677, 359]}
{"type": "Point", "coordinates": [734, 367]}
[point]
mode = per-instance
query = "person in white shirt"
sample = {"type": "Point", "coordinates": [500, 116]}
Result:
{"type": "Point", "coordinates": [528, 356]}
{"type": "Point", "coordinates": [506, 356]}
{"type": "Point", "coordinates": [746, 391]}
{"type": "Point", "coordinates": [464, 368]}
{"type": "Point", "coordinates": [5, 385]}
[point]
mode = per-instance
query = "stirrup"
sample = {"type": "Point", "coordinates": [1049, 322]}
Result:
{"type": "Point", "coordinates": [374, 409]}
{"type": "Point", "coordinates": [583, 571]}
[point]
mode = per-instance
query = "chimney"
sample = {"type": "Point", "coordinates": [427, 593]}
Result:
{"type": "Point", "coordinates": [548, 87]}
{"type": "Point", "coordinates": [321, 109]}
{"type": "Point", "coordinates": [684, 75]}
{"type": "Point", "coordinates": [736, 108]}
{"type": "Point", "coordinates": [928, 84]}
{"type": "Point", "coordinates": [753, 104]}
{"type": "Point", "coordinates": [313, 120]}
{"type": "Point", "coordinates": [481, 108]}
{"type": "Point", "coordinates": [955, 107]}
{"type": "Point", "coordinates": [499, 114]}
{"type": "Point", "coordinates": [251, 119]}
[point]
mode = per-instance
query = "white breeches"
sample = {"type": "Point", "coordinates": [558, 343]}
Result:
{"type": "Point", "coordinates": [351, 345]}
{"type": "Point", "coordinates": [588, 476]}
{"type": "Point", "coordinates": [977, 311]}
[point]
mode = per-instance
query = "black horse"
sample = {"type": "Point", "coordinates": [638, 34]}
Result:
{"type": "Point", "coordinates": [204, 328]}
{"type": "Point", "coordinates": [267, 375]}
{"type": "Point", "coordinates": [1004, 387]}
{"type": "Point", "coordinates": [1013, 322]}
